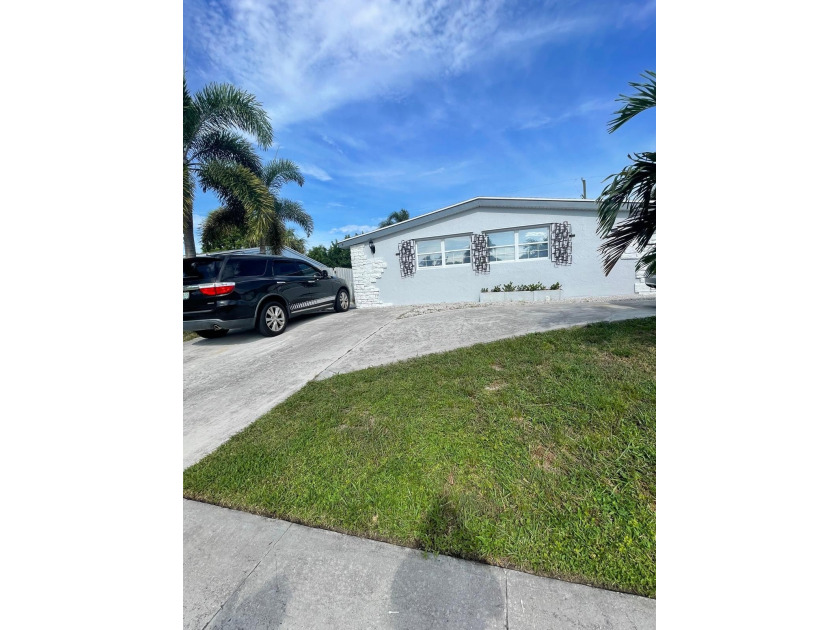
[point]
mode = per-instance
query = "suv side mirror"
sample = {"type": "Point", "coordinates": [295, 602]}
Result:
{"type": "Point", "coordinates": [323, 273]}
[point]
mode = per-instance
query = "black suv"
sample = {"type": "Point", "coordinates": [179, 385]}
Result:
{"type": "Point", "coordinates": [227, 291]}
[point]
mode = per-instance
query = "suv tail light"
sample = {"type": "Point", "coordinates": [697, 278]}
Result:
{"type": "Point", "coordinates": [217, 288]}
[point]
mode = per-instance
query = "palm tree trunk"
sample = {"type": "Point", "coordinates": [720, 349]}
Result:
{"type": "Point", "coordinates": [189, 237]}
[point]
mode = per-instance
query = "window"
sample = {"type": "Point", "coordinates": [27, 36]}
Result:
{"type": "Point", "coordinates": [201, 270]}
{"type": "Point", "coordinates": [523, 244]}
{"type": "Point", "coordinates": [241, 267]}
{"type": "Point", "coordinates": [457, 250]}
{"type": "Point", "coordinates": [443, 252]}
{"type": "Point", "coordinates": [429, 253]}
{"type": "Point", "coordinates": [533, 243]}
{"type": "Point", "coordinates": [292, 268]}
{"type": "Point", "coordinates": [501, 246]}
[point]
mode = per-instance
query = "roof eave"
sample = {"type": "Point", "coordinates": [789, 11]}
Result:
{"type": "Point", "coordinates": [461, 206]}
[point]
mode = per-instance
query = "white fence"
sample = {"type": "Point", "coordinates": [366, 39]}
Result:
{"type": "Point", "coordinates": [347, 275]}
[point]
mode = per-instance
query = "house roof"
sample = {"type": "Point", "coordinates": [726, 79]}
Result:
{"type": "Point", "coordinates": [506, 203]}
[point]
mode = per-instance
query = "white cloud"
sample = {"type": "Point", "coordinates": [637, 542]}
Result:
{"type": "Point", "coordinates": [595, 105]}
{"type": "Point", "coordinates": [636, 14]}
{"type": "Point", "coordinates": [315, 171]}
{"type": "Point", "coordinates": [436, 171]}
{"type": "Point", "coordinates": [306, 57]}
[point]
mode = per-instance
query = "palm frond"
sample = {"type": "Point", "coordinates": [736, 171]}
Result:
{"type": "Point", "coordinates": [287, 210]}
{"type": "Point", "coordinates": [395, 217]}
{"type": "Point", "coordinates": [635, 231]}
{"type": "Point", "coordinates": [648, 262]}
{"type": "Point", "coordinates": [635, 185]}
{"type": "Point", "coordinates": [191, 118]}
{"type": "Point", "coordinates": [236, 183]}
{"type": "Point", "coordinates": [634, 190]}
{"type": "Point", "coordinates": [223, 106]}
{"type": "Point", "coordinates": [225, 146]}
{"type": "Point", "coordinates": [644, 98]}
{"type": "Point", "coordinates": [223, 229]}
{"type": "Point", "coordinates": [295, 242]}
{"type": "Point", "coordinates": [278, 172]}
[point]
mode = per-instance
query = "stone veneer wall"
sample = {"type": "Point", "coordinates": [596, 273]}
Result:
{"type": "Point", "coordinates": [366, 271]}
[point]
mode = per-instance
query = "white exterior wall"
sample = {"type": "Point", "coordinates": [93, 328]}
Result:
{"type": "Point", "coordinates": [377, 276]}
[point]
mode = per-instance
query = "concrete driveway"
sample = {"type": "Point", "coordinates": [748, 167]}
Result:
{"type": "Point", "coordinates": [230, 382]}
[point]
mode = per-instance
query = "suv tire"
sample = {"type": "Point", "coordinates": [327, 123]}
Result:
{"type": "Point", "coordinates": [211, 334]}
{"type": "Point", "coordinates": [273, 319]}
{"type": "Point", "coordinates": [342, 301]}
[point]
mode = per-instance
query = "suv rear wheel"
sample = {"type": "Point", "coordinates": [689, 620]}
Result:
{"type": "Point", "coordinates": [273, 319]}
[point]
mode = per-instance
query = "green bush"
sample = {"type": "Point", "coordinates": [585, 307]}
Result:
{"type": "Point", "coordinates": [537, 286]}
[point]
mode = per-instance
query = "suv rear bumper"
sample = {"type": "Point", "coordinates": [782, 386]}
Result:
{"type": "Point", "coordinates": [213, 324]}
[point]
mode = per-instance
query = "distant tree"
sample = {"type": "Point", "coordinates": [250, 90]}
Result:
{"type": "Point", "coordinates": [230, 222]}
{"type": "Point", "coordinates": [333, 256]}
{"type": "Point", "coordinates": [219, 159]}
{"type": "Point", "coordinates": [634, 186]}
{"type": "Point", "coordinates": [319, 253]}
{"type": "Point", "coordinates": [295, 242]}
{"type": "Point", "coordinates": [395, 217]}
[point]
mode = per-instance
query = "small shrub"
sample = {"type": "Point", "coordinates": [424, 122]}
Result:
{"type": "Point", "coordinates": [509, 287]}
{"type": "Point", "coordinates": [537, 286]}
{"type": "Point", "coordinates": [555, 286]}
{"type": "Point", "coordinates": [484, 290]}
{"type": "Point", "coordinates": [496, 289]}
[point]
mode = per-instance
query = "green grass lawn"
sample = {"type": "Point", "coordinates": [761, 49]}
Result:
{"type": "Point", "coordinates": [188, 334]}
{"type": "Point", "coordinates": [536, 453]}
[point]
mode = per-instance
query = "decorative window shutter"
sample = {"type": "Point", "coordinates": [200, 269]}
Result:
{"type": "Point", "coordinates": [479, 254]}
{"type": "Point", "coordinates": [407, 253]}
{"type": "Point", "coordinates": [561, 243]}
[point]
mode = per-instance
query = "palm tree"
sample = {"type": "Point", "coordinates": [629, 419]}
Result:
{"type": "Point", "coordinates": [229, 227]}
{"type": "Point", "coordinates": [395, 217]}
{"type": "Point", "coordinates": [295, 242]}
{"type": "Point", "coordinates": [633, 187]}
{"type": "Point", "coordinates": [220, 159]}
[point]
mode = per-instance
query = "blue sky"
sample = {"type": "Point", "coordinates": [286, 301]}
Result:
{"type": "Point", "coordinates": [420, 105]}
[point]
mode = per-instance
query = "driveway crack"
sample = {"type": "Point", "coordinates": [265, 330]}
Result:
{"type": "Point", "coordinates": [245, 579]}
{"type": "Point", "coordinates": [326, 371]}
{"type": "Point", "coordinates": [507, 600]}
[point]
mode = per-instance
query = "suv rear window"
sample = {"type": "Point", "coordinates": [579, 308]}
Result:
{"type": "Point", "coordinates": [201, 269]}
{"type": "Point", "coordinates": [240, 267]}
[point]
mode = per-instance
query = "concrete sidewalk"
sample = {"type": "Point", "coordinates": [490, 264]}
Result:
{"type": "Point", "coordinates": [246, 571]}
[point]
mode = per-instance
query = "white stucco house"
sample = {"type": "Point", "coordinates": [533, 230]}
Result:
{"type": "Point", "coordinates": [451, 254]}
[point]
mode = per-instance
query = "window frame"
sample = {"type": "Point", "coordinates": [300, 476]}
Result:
{"type": "Point", "coordinates": [516, 244]}
{"type": "Point", "coordinates": [442, 251]}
